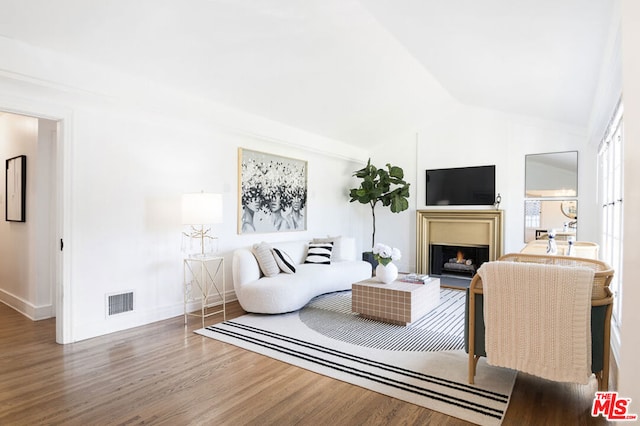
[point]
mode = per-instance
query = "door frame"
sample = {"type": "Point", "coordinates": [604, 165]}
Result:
{"type": "Point", "coordinates": [63, 295]}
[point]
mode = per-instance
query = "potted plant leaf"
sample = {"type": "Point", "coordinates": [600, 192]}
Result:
{"type": "Point", "coordinates": [385, 186]}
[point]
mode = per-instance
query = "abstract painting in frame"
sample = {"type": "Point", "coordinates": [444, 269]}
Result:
{"type": "Point", "coordinates": [272, 193]}
{"type": "Point", "coordinates": [16, 189]}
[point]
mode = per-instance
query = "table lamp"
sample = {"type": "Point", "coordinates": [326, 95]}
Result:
{"type": "Point", "coordinates": [199, 210]}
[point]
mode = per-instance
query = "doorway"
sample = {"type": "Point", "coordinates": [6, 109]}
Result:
{"type": "Point", "coordinates": [33, 272]}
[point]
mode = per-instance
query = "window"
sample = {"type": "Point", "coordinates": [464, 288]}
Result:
{"type": "Point", "coordinates": [611, 184]}
{"type": "Point", "coordinates": [532, 213]}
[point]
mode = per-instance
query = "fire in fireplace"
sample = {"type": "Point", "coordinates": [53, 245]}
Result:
{"type": "Point", "coordinates": [460, 261]}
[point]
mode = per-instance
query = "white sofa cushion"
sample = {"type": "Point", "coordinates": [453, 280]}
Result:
{"type": "Point", "coordinates": [296, 249]}
{"type": "Point", "coordinates": [336, 252]}
{"type": "Point", "coordinates": [344, 248]}
{"type": "Point", "coordinates": [266, 261]}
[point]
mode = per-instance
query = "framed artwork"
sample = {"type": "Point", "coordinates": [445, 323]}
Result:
{"type": "Point", "coordinates": [16, 189]}
{"type": "Point", "coordinates": [272, 193]}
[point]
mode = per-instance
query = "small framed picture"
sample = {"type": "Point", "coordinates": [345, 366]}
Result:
{"type": "Point", "coordinates": [16, 189]}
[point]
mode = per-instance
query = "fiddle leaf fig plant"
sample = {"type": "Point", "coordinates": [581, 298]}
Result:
{"type": "Point", "coordinates": [386, 186]}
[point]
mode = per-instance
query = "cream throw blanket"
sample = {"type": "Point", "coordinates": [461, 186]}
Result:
{"type": "Point", "coordinates": [538, 319]}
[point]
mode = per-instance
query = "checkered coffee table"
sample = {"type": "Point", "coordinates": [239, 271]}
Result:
{"type": "Point", "coordinates": [397, 302]}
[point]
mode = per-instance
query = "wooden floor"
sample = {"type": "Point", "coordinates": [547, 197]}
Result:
{"type": "Point", "coordinates": [163, 373]}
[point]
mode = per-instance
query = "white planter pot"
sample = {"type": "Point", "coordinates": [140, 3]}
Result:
{"type": "Point", "coordinates": [386, 274]}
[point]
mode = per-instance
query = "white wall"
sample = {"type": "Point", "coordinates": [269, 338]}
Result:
{"type": "Point", "coordinates": [629, 376]}
{"type": "Point", "coordinates": [470, 136]}
{"type": "Point", "coordinates": [18, 136]}
{"type": "Point", "coordinates": [393, 229]}
{"type": "Point", "coordinates": [608, 94]}
{"type": "Point", "coordinates": [44, 243]}
{"type": "Point", "coordinates": [133, 150]}
{"type": "Point", "coordinates": [129, 180]}
{"type": "Point", "coordinates": [25, 275]}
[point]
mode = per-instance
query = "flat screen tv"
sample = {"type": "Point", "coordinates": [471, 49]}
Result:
{"type": "Point", "coordinates": [461, 186]}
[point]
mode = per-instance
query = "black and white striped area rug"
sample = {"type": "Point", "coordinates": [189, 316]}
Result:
{"type": "Point", "coordinates": [441, 329]}
{"type": "Point", "coordinates": [433, 379]}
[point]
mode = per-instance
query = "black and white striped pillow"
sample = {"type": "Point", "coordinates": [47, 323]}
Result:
{"type": "Point", "coordinates": [284, 261]}
{"type": "Point", "coordinates": [319, 253]}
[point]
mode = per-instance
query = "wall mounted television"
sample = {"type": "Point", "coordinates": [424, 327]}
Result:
{"type": "Point", "coordinates": [461, 186]}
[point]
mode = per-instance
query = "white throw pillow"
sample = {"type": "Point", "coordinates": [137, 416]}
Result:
{"type": "Point", "coordinates": [319, 253]}
{"type": "Point", "coordinates": [284, 261]}
{"type": "Point", "coordinates": [265, 259]}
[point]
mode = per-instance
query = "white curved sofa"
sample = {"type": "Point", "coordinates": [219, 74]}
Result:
{"type": "Point", "coordinates": [290, 292]}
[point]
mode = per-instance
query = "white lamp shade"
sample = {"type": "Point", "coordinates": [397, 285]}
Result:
{"type": "Point", "coordinates": [201, 208]}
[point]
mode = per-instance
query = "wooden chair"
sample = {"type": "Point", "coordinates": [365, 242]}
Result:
{"type": "Point", "coordinates": [601, 309]}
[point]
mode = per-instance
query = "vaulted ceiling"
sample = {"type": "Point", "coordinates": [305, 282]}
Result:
{"type": "Point", "coordinates": [355, 70]}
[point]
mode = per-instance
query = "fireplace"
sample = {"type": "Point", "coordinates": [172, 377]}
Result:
{"type": "Point", "coordinates": [477, 234]}
{"type": "Point", "coordinates": [456, 260]}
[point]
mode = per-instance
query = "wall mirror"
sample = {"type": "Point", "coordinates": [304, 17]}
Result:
{"type": "Point", "coordinates": [540, 216]}
{"type": "Point", "coordinates": [553, 175]}
{"type": "Point", "coordinates": [551, 190]}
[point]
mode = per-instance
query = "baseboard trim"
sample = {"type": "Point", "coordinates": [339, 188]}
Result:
{"type": "Point", "coordinates": [29, 310]}
{"type": "Point", "coordinates": [139, 317]}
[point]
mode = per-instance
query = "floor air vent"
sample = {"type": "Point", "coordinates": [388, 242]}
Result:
{"type": "Point", "coordinates": [119, 303]}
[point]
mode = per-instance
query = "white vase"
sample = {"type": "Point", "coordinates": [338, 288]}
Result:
{"type": "Point", "coordinates": [386, 274]}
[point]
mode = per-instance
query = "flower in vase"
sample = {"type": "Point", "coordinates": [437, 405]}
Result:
{"type": "Point", "coordinates": [385, 254]}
